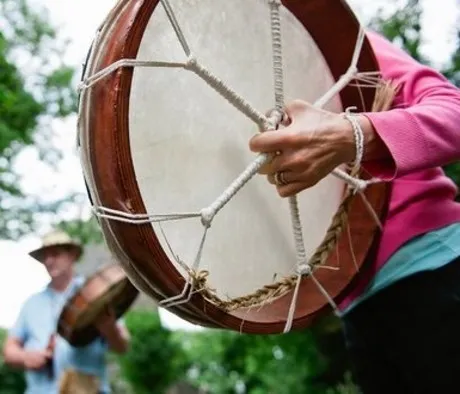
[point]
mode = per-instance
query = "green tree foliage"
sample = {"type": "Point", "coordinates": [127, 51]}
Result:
{"type": "Point", "coordinates": [85, 231]}
{"type": "Point", "coordinates": [403, 28]}
{"type": "Point", "coordinates": [11, 380]}
{"type": "Point", "coordinates": [155, 359]}
{"type": "Point", "coordinates": [35, 88]}
{"type": "Point", "coordinates": [223, 362]}
{"type": "Point", "coordinates": [226, 362]}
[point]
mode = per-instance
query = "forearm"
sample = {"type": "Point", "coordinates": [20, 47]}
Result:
{"type": "Point", "coordinates": [421, 130]}
{"type": "Point", "coordinates": [14, 355]}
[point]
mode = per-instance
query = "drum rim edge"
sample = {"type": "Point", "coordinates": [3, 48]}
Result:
{"type": "Point", "coordinates": [128, 197]}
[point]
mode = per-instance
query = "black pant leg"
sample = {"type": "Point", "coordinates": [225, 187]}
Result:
{"type": "Point", "coordinates": [372, 369]}
{"type": "Point", "coordinates": [405, 339]}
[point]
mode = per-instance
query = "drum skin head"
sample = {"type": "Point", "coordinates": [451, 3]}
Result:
{"type": "Point", "coordinates": [108, 287]}
{"type": "Point", "coordinates": [159, 140]}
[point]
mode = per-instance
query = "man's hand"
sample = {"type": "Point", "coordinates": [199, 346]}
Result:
{"type": "Point", "coordinates": [36, 359]}
{"type": "Point", "coordinates": [16, 356]}
{"type": "Point", "coordinates": [106, 322]}
{"type": "Point", "coordinates": [116, 335]}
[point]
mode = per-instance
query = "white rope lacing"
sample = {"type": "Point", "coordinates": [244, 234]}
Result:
{"type": "Point", "coordinates": [265, 123]}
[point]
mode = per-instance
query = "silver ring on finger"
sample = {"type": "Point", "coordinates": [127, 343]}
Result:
{"type": "Point", "coordinates": [279, 178]}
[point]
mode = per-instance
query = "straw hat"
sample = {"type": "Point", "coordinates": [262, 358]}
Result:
{"type": "Point", "coordinates": [53, 239]}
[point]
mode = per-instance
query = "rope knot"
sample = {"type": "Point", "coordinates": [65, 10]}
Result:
{"type": "Point", "coordinates": [191, 63]}
{"type": "Point", "coordinates": [199, 279]}
{"type": "Point", "coordinates": [360, 185]}
{"type": "Point", "coordinates": [353, 70]}
{"type": "Point", "coordinates": [207, 215]}
{"type": "Point", "coordinates": [273, 119]}
{"type": "Point", "coordinates": [304, 269]}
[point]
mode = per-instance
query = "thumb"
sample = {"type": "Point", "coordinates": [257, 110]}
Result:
{"type": "Point", "coordinates": [297, 107]}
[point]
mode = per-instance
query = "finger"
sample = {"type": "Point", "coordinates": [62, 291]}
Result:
{"type": "Point", "coordinates": [264, 170]}
{"type": "Point", "coordinates": [289, 183]}
{"type": "Point", "coordinates": [266, 142]}
{"type": "Point", "coordinates": [296, 108]}
{"type": "Point", "coordinates": [273, 141]}
{"type": "Point", "coordinates": [267, 168]}
{"type": "Point", "coordinates": [286, 176]}
{"type": "Point", "coordinates": [40, 354]}
{"type": "Point", "coordinates": [43, 354]}
{"type": "Point", "coordinates": [286, 161]}
{"type": "Point", "coordinates": [292, 189]}
{"type": "Point", "coordinates": [271, 179]}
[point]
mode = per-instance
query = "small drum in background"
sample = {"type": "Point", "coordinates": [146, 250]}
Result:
{"type": "Point", "coordinates": [109, 287]}
{"type": "Point", "coordinates": [172, 92]}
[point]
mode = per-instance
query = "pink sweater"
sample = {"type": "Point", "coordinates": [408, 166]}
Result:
{"type": "Point", "coordinates": [422, 133]}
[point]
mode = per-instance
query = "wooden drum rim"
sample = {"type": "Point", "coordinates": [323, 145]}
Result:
{"type": "Point", "coordinates": [114, 171]}
{"type": "Point", "coordinates": [94, 288]}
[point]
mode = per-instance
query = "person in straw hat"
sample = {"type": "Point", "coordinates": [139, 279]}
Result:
{"type": "Point", "coordinates": [32, 343]}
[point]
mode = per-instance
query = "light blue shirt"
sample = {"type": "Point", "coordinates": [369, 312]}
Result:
{"type": "Point", "coordinates": [426, 252]}
{"type": "Point", "coordinates": [37, 321]}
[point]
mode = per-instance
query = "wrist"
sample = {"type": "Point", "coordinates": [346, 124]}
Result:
{"type": "Point", "coordinates": [346, 139]}
{"type": "Point", "coordinates": [109, 329]}
{"type": "Point", "coordinates": [373, 146]}
{"type": "Point", "coordinates": [21, 357]}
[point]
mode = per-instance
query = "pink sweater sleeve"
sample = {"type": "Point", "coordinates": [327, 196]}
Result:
{"type": "Point", "coordinates": [423, 129]}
